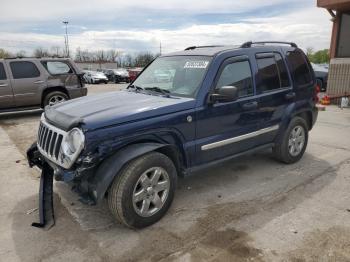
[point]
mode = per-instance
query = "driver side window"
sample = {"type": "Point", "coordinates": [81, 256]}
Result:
{"type": "Point", "coordinates": [238, 74]}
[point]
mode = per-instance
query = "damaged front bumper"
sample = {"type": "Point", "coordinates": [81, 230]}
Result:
{"type": "Point", "coordinates": [49, 171]}
{"type": "Point", "coordinates": [46, 211]}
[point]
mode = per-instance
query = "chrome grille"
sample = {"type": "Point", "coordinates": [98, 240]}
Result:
{"type": "Point", "coordinates": [49, 142]}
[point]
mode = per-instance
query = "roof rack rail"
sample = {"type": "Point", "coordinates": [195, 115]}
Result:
{"type": "Point", "coordinates": [250, 43]}
{"type": "Point", "coordinates": [203, 46]}
{"type": "Point", "coordinates": [31, 57]}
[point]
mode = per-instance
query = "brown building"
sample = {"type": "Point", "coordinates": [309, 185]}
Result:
{"type": "Point", "coordinates": [339, 70]}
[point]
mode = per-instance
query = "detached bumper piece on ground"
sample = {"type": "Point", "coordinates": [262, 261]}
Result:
{"type": "Point", "coordinates": [46, 210]}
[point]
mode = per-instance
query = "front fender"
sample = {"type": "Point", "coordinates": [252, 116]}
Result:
{"type": "Point", "coordinates": [111, 166]}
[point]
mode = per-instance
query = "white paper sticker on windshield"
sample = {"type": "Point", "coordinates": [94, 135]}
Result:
{"type": "Point", "coordinates": [196, 64]}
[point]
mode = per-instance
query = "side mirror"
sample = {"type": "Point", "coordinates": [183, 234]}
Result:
{"type": "Point", "coordinates": [224, 94]}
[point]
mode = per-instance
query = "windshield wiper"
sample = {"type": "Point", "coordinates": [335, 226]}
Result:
{"type": "Point", "coordinates": [158, 90]}
{"type": "Point", "coordinates": [138, 88]}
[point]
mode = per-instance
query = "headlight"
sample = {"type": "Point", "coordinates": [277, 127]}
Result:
{"type": "Point", "coordinates": [73, 143]}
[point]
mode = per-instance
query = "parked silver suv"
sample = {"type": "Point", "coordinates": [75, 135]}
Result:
{"type": "Point", "coordinates": [27, 83]}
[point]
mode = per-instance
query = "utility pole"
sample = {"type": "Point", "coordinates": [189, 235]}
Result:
{"type": "Point", "coordinates": [160, 48]}
{"type": "Point", "coordinates": [66, 43]}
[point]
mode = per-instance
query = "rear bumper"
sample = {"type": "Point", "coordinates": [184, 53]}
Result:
{"type": "Point", "coordinates": [99, 81]}
{"type": "Point", "coordinates": [122, 79]}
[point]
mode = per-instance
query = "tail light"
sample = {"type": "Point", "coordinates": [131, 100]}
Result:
{"type": "Point", "coordinates": [317, 91]}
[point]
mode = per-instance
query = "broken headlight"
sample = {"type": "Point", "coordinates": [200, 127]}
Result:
{"type": "Point", "coordinates": [72, 144]}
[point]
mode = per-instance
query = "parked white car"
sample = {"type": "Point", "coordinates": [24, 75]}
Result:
{"type": "Point", "coordinates": [93, 77]}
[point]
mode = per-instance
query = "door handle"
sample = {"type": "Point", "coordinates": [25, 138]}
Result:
{"type": "Point", "coordinates": [250, 106]}
{"type": "Point", "coordinates": [39, 82]}
{"type": "Point", "coordinates": [290, 96]}
{"type": "Point", "coordinates": [3, 85]}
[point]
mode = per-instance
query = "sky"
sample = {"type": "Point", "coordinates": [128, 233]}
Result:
{"type": "Point", "coordinates": [132, 26]}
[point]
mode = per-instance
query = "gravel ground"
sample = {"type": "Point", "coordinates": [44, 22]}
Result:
{"type": "Point", "coordinates": [250, 209]}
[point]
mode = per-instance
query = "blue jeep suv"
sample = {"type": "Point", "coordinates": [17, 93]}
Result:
{"type": "Point", "coordinates": [216, 103]}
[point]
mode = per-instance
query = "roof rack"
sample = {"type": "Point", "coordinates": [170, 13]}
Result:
{"type": "Point", "coordinates": [250, 43]}
{"type": "Point", "coordinates": [203, 46]}
{"type": "Point", "coordinates": [36, 57]}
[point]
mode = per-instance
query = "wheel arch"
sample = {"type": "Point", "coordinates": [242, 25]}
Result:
{"type": "Point", "coordinates": [111, 166]}
{"type": "Point", "coordinates": [48, 90]}
{"type": "Point", "coordinates": [307, 116]}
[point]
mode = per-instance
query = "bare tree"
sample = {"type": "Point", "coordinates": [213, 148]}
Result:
{"type": "Point", "coordinates": [56, 51]}
{"type": "Point", "coordinates": [21, 53]}
{"type": "Point", "coordinates": [41, 52]}
{"type": "Point", "coordinates": [112, 55]}
{"type": "Point", "coordinates": [143, 59]}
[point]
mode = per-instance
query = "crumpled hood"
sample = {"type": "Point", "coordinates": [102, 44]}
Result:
{"type": "Point", "coordinates": [113, 108]}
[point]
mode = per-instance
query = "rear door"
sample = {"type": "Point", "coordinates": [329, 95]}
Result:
{"type": "Point", "coordinates": [6, 94]}
{"type": "Point", "coordinates": [225, 129]}
{"type": "Point", "coordinates": [28, 81]}
{"type": "Point", "coordinates": [275, 93]}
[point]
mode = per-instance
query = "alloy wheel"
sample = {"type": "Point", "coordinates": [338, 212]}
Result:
{"type": "Point", "coordinates": [151, 191]}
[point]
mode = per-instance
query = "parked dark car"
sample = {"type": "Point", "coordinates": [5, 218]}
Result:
{"type": "Point", "coordinates": [27, 83]}
{"type": "Point", "coordinates": [130, 146]}
{"type": "Point", "coordinates": [117, 75]}
{"type": "Point", "coordinates": [321, 74]}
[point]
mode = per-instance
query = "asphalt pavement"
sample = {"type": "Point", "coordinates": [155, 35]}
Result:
{"type": "Point", "coordinates": [249, 209]}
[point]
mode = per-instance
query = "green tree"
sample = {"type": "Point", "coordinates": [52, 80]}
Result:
{"type": "Point", "coordinates": [4, 53]}
{"type": "Point", "coordinates": [319, 57]}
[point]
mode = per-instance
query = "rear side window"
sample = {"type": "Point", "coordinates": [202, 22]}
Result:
{"type": "Point", "coordinates": [2, 72]}
{"type": "Point", "coordinates": [57, 67]}
{"type": "Point", "coordinates": [268, 74]}
{"type": "Point", "coordinates": [299, 68]}
{"type": "Point", "coordinates": [237, 74]}
{"type": "Point", "coordinates": [272, 72]}
{"type": "Point", "coordinates": [24, 69]}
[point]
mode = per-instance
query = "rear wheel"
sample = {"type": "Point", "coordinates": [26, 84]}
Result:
{"type": "Point", "coordinates": [54, 98]}
{"type": "Point", "coordinates": [294, 142]}
{"type": "Point", "coordinates": [143, 191]}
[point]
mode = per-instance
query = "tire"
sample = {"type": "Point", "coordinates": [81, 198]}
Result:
{"type": "Point", "coordinates": [130, 183]}
{"type": "Point", "coordinates": [55, 95]}
{"type": "Point", "coordinates": [283, 151]}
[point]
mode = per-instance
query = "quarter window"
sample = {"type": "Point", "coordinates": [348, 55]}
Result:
{"type": "Point", "coordinates": [300, 69]}
{"type": "Point", "coordinates": [2, 72]}
{"type": "Point", "coordinates": [57, 67]}
{"type": "Point", "coordinates": [238, 74]}
{"type": "Point", "coordinates": [24, 69]}
{"type": "Point", "coordinates": [282, 69]}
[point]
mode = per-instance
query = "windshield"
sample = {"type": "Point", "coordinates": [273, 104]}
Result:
{"type": "Point", "coordinates": [180, 75]}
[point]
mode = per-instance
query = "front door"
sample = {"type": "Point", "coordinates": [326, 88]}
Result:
{"type": "Point", "coordinates": [27, 83]}
{"type": "Point", "coordinates": [6, 94]}
{"type": "Point", "coordinates": [225, 129]}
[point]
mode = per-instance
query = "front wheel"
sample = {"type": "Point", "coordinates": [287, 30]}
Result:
{"type": "Point", "coordinates": [143, 191]}
{"type": "Point", "coordinates": [294, 142]}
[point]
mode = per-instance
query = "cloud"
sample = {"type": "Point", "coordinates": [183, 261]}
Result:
{"type": "Point", "coordinates": [307, 26]}
{"type": "Point", "coordinates": [43, 10]}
